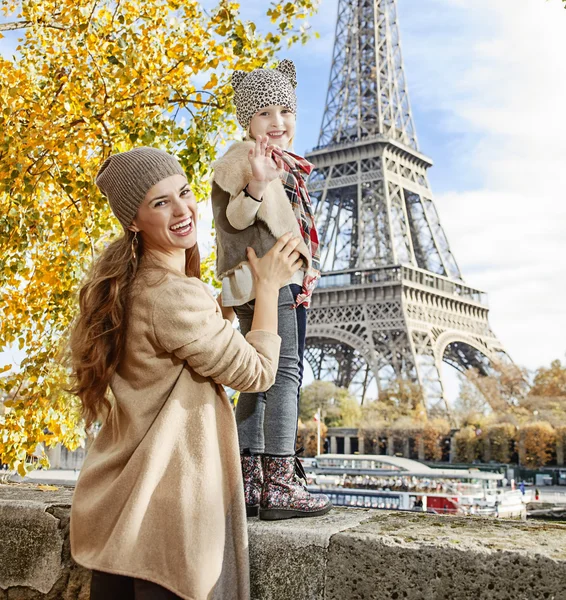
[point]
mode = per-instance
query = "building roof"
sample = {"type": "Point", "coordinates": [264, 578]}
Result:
{"type": "Point", "coordinates": [407, 466]}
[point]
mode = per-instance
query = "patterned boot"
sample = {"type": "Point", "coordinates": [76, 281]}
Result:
{"type": "Point", "coordinates": [253, 481]}
{"type": "Point", "coordinates": [284, 494]}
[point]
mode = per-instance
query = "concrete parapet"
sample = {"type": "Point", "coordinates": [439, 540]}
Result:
{"type": "Point", "coordinates": [35, 554]}
{"type": "Point", "coordinates": [349, 554]}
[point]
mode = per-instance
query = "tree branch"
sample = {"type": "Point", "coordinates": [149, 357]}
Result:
{"type": "Point", "coordinates": [114, 14]}
{"type": "Point", "coordinates": [26, 24]}
{"type": "Point", "coordinates": [91, 14]}
{"type": "Point", "coordinates": [14, 25]}
{"type": "Point", "coordinates": [101, 76]}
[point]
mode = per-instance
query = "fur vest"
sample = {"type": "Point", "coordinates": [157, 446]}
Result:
{"type": "Point", "coordinates": [275, 217]}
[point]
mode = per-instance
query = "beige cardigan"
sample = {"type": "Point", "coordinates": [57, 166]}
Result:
{"type": "Point", "coordinates": [160, 494]}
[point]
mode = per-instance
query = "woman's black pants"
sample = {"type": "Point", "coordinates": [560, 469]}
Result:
{"type": "Point", "coordinates": [107, 586]}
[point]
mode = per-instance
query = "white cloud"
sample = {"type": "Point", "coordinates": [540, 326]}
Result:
{"type": "Point", "coordinates": [499, 84]}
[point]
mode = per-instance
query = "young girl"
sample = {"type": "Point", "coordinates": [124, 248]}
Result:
{"type": "Point", "coordinates": [158, 510]}
{"type": "Point", "coordinates": [258, 194]}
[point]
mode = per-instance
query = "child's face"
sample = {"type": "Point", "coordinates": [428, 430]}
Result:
{"type": "Point", "coordinates": [276, 122]}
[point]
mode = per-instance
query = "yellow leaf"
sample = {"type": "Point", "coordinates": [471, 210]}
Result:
{"type": "Point", "coordinates": [213, 82]}
{"type": "Point", "coordinates": [47, 488]}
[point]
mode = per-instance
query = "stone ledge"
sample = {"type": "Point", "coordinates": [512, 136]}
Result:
{"type": "Point", "coordinates": [349, 554]}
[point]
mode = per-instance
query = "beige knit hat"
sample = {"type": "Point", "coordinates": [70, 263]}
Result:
{"type": "Point", "coordinates": [125, 178]}
{"type": "Point", "coordinates": [264, 87]}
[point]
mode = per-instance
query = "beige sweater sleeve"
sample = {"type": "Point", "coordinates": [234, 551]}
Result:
{"type": "Point", "coordinates": [187, 322]}
{"type": "Point", "coordinates": [242, 210]}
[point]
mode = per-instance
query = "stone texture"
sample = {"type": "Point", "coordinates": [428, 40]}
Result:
{"type": "Point", "coordinates": [30, 552]}
{"type": "Point", "coordinates": [348, 554]}
{"type": "Point", "coordinates": [41, 495]}
{"type": "Point", "coordinates": [288, 558]}
{"type": "Point", "coordinates": [423, 557]}
{"type": "Point", "coordinates": [35, 555]}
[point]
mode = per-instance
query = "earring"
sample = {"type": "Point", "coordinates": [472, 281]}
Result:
{"type": "Point", "coordinates": [134, 245]}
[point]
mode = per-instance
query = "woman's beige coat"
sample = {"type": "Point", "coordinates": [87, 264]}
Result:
{"type": "Point", "coordinates": [160, 494]}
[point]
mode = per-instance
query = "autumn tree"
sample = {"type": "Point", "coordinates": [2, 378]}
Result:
{"type": "Point", "coordinates": [501, 438]}
{"type": "Point", "coordinates": [406, 426]}
{"type": "Point", "coordinates": [403, 397]}
{"type": "Point", "coordinates": [546, 400]}
{"type": "Point", "coordinates": [537, 441]}
{"type": "Point", "coordinates": [503, 388]}
{"type": "Point", "coordinates": [307, 437]}
{"type": "Point", "coordinates": [400, 398]}
{"type": "Point", "coordinates": [93, 77]}
{"type": "Point", "coordinates": [550, 381]}
{"type": "Point", "coordinates": [433, 435]}
{"type": "Point", "coordinates": [471, 404]}
{"type": "Point", "coordinates": [317, 395]}
{"type": "Point", "coordinates": [560, 432]}
{"type": "Point", "coordinates": [398, 412]}
{"type": "Point", "coordinates": [467, 445]}
{"type": "Point", "coordinates": [543, 408]}
{"type": "Point", "coordinates": [337, 405]}
{"type": "Point", "coordinates": [346, 412]}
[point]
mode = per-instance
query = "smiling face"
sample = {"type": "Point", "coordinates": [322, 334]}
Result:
{"type": "Point", "coordinates": [276, 122]}
{"type": "Point", "coordinates": [167, 218]}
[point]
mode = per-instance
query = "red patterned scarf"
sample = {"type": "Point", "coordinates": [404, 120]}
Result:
{"type": "Point", "coordinates": [296, 169]}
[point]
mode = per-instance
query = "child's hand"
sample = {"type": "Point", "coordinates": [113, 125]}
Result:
{"type": "Point", "coordinates": [277, 267]}
{"type": "Point", "coordinates": [264, 167]}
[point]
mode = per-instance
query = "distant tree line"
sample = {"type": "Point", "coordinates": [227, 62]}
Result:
{"type": "Point", "coordinates": [506, 417]}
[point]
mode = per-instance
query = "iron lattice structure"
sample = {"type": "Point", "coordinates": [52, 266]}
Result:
{"type": "Point", "coordinates": [391, 302]}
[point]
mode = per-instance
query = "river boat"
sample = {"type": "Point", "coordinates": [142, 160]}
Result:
{"type": "Point", "coordinates": [396, 483]}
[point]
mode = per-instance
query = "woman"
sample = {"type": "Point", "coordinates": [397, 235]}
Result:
{"type": "Point", "coordinates": [158, 510]}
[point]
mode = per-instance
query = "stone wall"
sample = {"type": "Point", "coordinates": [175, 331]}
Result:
{"type": "Point", "coordinates": [35, 554]}
{"type": "Point", "coordinates": [349, 554]}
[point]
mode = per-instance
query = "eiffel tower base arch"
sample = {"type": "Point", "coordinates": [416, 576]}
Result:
{"type": "Point", "coordinates": [369, 334]}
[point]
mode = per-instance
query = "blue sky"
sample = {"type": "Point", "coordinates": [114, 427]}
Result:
{"type": "Point", "coordinates": [487, 85]}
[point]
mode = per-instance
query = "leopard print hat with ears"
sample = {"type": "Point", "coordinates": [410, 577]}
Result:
{"type": "Point", "coordinates": [264, 87]}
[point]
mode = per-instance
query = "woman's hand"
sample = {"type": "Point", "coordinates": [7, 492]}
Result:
{"type": "Point", "coordinates": [270, 274]}
{"type": "Point", "coordinates": [265, 168]}
{"type": "Point", "coordinates": [277, 267]}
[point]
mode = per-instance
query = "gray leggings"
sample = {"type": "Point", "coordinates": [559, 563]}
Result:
{"type": "Point", "coordinates": [267, 421]}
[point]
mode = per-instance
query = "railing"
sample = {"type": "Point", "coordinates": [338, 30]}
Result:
{"type": "Point", "coordinates": [443, 284]}
{"type": "Point", "coordinates": [354, 141]}
{"type": "Point", "coordinates": [353, 277]}
{"type": "Point", "coordinates": [398, 274]}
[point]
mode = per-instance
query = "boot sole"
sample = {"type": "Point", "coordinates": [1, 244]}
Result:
{"type": "Point", "coordinates": [252, 511]}
{"type": "Point", "coordinates": [278, 514]}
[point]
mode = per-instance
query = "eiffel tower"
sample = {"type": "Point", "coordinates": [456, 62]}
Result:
{"type": "Point", "coordinates": [391, 302]}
